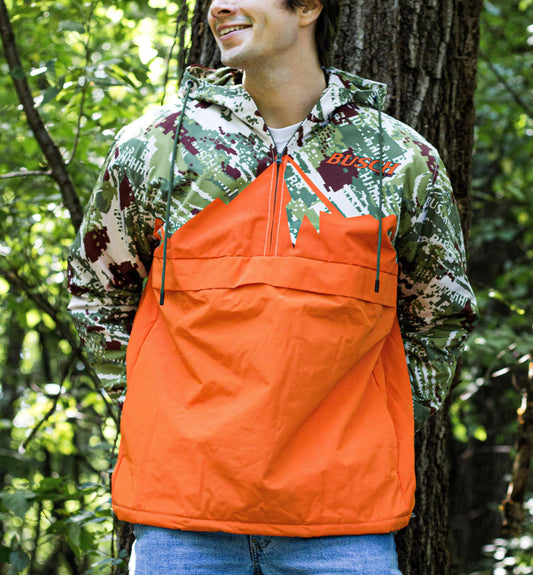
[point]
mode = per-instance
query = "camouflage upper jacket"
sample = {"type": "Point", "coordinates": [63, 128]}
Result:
{"type": "Point", "coordinates": [347, 158]}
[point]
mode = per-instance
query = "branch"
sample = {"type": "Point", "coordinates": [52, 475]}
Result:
{"type": "Point", "coordinates": [51, 411]}
{"type": "Point", "coordinates": [64, 329]}
{"type": "Point", "coordinates": [47, 145]}
{"type": "Point", "coordinates": [183, 50]}
{"type": "Point", "coordinates": [169, 58]}
{"type": "Point", "coordinates": [46, 417]}
{"type": "Point", "coordinates": [78, 125]}
{"type": "Point", "coordinates": [25, 173]}
{"type": "Point", "coordinates": [85, 84]}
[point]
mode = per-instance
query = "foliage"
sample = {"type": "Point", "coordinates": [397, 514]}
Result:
{"type": "Point", "coordinates": [92, 67]}
{"type": "Point", "coordinates": [501, 245]}
{"type": "Point", "coordinates": [501, 248]}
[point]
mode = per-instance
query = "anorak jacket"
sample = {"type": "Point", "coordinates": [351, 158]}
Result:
{"type": "Point", "coordinates": [309, 295]}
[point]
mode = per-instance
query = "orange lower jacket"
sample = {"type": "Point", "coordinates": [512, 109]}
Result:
{"type": "Point", "coordinates": [270, 393]}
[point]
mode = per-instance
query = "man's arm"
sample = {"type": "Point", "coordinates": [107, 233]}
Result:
{"type": "Point", "coordinates": [108, 262]}
{"type": "Point", "coordinates": [436, 306]}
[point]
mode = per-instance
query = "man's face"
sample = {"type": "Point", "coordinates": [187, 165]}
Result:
{"type": "Point", "coordinates": [254, 33]}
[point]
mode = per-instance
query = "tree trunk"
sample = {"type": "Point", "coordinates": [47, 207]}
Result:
{"type": "Point", "coordinates": [203, 49]}
{"type": "Point", "coordinates": [426, 53]}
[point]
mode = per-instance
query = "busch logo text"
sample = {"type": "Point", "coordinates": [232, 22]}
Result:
{"type": "Point", "coordinates": [361, 163]}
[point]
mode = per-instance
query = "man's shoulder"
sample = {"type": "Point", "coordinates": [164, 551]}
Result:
{"type": "Point", "coordinates": [373, 96]}
{"type": "Point", "coordinates": [406, 134]}
{"type": "Point", "coordinates": [155, 117]}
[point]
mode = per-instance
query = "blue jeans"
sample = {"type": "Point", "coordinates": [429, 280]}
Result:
{"type": "Point", "coordinates": [158, 551]}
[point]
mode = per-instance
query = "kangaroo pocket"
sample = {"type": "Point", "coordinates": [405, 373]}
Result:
{"type": "Point", "coordinates": [271, 321]}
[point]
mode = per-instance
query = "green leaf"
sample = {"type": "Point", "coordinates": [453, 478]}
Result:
{"type": "Point", "coordinates": [17, 502]}
{"type": "Point", "coordinates": [108, 561]}
{"type": "Point", "coordinates": [49, 94]}
{"type": "Point", "coordinates": [51, 68]}
{"type": "Point", "coordinates": [90, 486]}
{"type": "Point", "coordinates": [105, 81]}
{"type": "Point", "coordinates": [71, 26]}
{"type": "Point", "coordinates": [49, 484]}
{"type": "Point", "coordinates": [73, 536]}
{"type": "Point", "coordinates": [86, 540]}
{"type": "Point", "coordinates": [19, 561]}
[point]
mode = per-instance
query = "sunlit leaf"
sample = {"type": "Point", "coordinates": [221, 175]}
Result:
{"type": "Point", "coordinates": [71, 26]}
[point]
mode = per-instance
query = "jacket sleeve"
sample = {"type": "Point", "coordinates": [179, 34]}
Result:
{"type": "Point", "coordinates": [436, 306]}
{"type": "Point", "coordinates": [109, 260]}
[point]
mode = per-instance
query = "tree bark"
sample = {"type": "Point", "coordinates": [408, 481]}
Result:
{"type": "Point", "coordinates": [11, 390]}
{"type": "Point", "coordinates": [203, 49]}
{"type": "Point", "coordinates": [426, 53]}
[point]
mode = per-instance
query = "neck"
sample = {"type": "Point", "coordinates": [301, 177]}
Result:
{"type": "Point", "coordinates": [285, 96]}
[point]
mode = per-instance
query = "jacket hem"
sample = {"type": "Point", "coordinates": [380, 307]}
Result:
{"type": "Point", "coordinates": [169, 521]}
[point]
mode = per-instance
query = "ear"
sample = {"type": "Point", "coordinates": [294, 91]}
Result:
{"type": "Point", "coordinates": [310, 12]}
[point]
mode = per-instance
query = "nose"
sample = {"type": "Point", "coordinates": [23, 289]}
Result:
{"type": "Point", "coordinates": [219, 8]}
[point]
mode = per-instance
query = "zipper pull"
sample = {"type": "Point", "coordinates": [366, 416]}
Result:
{"type": "Point", "coordinates": [279, 158]}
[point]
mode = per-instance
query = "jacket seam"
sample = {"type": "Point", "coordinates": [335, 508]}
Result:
{"type": "Point", "coordinates": [280, 257]}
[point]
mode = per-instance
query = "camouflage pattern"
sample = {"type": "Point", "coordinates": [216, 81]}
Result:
{"type": "Point", "coordinates": [224, 145]}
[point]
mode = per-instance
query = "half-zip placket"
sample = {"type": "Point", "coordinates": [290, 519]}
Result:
{"type": "Point", "coordinates": [275, 214]}
{"type": "Point", "coordinates": [273, 221]}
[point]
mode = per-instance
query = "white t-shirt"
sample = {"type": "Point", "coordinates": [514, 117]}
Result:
{"type": "Point", "coordinates": [281, 136]}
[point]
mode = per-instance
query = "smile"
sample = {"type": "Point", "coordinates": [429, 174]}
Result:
{"type": "Point", "coordinates": [226, 31]}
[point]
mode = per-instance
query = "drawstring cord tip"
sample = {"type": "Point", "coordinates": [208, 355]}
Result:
{"type": "Point", "coordinates": [376, 287]}
{"type": "Point", "coordinates": [170, 189]}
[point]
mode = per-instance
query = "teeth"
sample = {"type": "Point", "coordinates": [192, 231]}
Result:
{"type": "Point", "coordinates": [232, 29]}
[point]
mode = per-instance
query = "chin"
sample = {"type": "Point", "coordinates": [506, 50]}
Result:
{"type": "Point", "coordinates": [234, 60]}
{"type": "Point", "coordinates": [231, 61]}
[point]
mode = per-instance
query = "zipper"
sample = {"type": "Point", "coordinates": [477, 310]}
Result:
{"type": "Point", "coordinates": [277, 198]}
{"type": "Point", "coordinates": [269, 246]}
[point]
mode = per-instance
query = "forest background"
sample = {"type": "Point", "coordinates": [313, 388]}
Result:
{"type": "Point", "coordinates": [94, 66]}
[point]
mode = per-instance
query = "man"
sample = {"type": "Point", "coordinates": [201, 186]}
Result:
{"type": "Point", "coordinates": [282, 231]}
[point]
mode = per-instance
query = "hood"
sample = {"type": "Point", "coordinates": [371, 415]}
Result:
{"type": "Point", "coordinates": [224, 88]}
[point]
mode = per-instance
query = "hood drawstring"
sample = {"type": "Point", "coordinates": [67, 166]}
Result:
{"type": "Point", "coordinates": [380, 228]}
{"type": "Point", "coordinates": [170, 184]}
